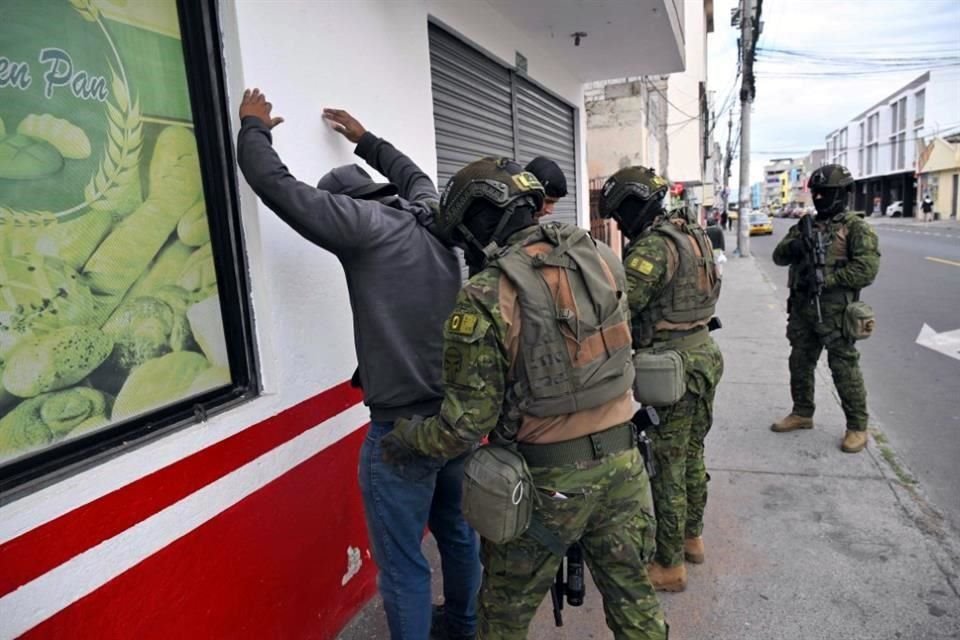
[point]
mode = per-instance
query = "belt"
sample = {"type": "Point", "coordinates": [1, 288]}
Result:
{"type": "Point", "coordinates": [582, 449]}
{"type": "Point", "coordinates": [689, 341]}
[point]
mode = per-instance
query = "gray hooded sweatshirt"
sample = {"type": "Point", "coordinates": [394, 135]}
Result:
{"type": "Point", "coordinates": [402, 281]}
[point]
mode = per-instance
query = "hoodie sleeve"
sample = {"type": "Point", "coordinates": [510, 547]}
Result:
{"type": "Point", "coordinates": [414, 184]}
{"type": "Point", "coordinates": [334, 222]}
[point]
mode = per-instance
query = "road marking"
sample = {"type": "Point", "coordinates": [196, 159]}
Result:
{"type": "Point", "coordinates": [952, 263]}
{"type": "Point", "coordinates": [945, 342]}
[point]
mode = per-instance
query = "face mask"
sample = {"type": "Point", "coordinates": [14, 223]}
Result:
{"type": "Point", "coordinates": [635, 215]}
{"type": "Point", "coordinates": [828, 202]}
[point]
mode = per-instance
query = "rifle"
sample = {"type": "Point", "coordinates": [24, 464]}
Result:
{"type": "Point", "coordinates": [815, 257]}
{"type": "Point", "coordinates": [570, 585]}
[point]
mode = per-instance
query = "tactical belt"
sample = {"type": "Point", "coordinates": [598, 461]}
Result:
{"type": "Point", "coordinates": [582, 449]}
{"type": "Point", "coordinates": [699, 337]}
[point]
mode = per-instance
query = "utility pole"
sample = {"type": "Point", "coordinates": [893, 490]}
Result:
{"type": "Point", "coordinates": [727, 161]}
{"type": "Point", "coordinates": [747, 89]}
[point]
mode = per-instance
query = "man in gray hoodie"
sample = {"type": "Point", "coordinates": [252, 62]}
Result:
{"type": "Point", "coordinates": [402, 282]}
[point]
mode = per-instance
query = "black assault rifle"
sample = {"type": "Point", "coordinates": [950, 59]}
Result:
{"type": "Point", "coordinates": [815, 259]}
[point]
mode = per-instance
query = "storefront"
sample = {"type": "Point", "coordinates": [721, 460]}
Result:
{"type": "Point", "coordinates": [178, 436]}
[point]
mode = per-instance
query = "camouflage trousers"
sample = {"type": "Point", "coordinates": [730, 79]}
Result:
{"type": "Point", "coordinates": [808, 337]}
{"type": "Point", "coordinates": [608, 508]}
{"type": "Point", "coordinates": [680, 486]}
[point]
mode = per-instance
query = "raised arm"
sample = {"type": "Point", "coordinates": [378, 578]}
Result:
{"type": "Point", "coordinates": [333, 222]}
{"type": "Point", "coordinates": [400, 170]}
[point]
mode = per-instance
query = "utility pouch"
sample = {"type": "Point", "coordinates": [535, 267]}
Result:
{"type": "Point", "coordinates": [859, 321]}
{"type": "Point", "coordinates": [660, 379]}
{"type": "Point", "coordinates": [498, 493]}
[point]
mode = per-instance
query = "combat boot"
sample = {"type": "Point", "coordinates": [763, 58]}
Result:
{"type": "Point", "coordinates": [854, 441]}
{"type": "Point", "coordinates": [791, 423]}
{"type": "Point", "coordinates": [693, 550]}
{"type": "Point", "coordinates": [671, 579]}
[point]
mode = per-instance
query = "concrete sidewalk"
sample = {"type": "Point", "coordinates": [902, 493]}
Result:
{"type": "Point", "coordinates": [803, 541]}
{"type": "Point", "coordinates": [948, 224]}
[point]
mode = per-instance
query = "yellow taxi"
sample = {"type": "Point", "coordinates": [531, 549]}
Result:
{"type": "Point", "coordinates": [760, 224]}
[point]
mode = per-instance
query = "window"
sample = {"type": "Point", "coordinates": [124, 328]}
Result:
{"type": "Point", "coordinates": [920, 102]}
{"type": "Point", "coordinates": [862, 139]}
{"type": "Point", "coordinates": [901, 149]}
{"type": "Point", "coordinates": [873, 127]}
{"type": "Point", "coordinates": [894, 108]}
{"type": "Point", "coordinates": [871, 158]}
{"type": "Point", "coordinates": [902, 122]}
{"type": "Point", "coordinates": [130, 288]}
{"type": "Point", "coordinates": [860, 161]}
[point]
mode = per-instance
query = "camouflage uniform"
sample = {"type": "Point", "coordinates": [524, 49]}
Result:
{"type": "Point", "coordinates": [853, 259]}
{"type": "Point", "coordinates": [680, 486]}
{"type": "Point", "coordinates": [608, 507]}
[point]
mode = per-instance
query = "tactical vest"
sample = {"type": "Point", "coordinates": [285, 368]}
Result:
{"type": "Point", "coordinates": [690, 298]}
{"type": "Point", "coordinates": [836, 232]}
{"type": "Point", "coordinates": [569, 359]}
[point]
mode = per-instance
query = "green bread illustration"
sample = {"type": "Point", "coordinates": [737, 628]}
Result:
{"type": "Point", "coordinates": [54, 361]}
{"type": "Point", "coordinates": [51, 416]}
{"type": "Point", "coordinates": [27, 158]}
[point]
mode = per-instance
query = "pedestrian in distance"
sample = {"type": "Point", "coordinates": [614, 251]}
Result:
{"type": "Point", "coordinates": [401, 279]}
{"type": "Point", "coordinates": [824, 308]}
{"type": "Point", "coordinates": [673, 288]}
{"type": "Point", "coordinates": [537, 354]}
{"type": "Point", "coordinates": [554, 182]}
{"type": "Point", "coordinates": [927, 207]}
{"type": "Point", "coordinates": [725, 220]}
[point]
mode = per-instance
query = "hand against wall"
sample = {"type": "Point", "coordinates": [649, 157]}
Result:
{"type": "Point", "coordinates": [255, 104]}
{"type": "Point", "coordinates": [344, 123]}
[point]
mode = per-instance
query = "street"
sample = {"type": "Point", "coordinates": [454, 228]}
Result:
{"type": "Point", "coordinates": [911, 388]}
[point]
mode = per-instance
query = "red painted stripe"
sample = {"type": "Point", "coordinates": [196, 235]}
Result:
{"type": "Point", "coordinates": [268, 567]}
{"type": "Point", "coordinates": [39, 550]}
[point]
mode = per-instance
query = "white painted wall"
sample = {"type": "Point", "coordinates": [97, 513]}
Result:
{"type": "Point", "coordinates": [685, 159]}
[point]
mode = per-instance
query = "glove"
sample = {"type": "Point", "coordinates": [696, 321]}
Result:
{"type": "Point", "coordinates": [796, 249]}
{"type": "Point", "coordinates": [397, 450]}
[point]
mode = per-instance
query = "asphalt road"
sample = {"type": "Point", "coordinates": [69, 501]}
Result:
{"type": "Point", "coordinates": [913, 392]}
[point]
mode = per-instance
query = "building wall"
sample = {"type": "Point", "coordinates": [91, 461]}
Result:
{"type": "Point", "coordinates": [250, 524]}
{"type": "Point", "coordinates": [685, 135]}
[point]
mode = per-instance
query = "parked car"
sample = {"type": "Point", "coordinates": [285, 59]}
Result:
{"type": "Point", "coordinates": [760, 225]}
{"type": "Point", "coordinates": [895, 209]}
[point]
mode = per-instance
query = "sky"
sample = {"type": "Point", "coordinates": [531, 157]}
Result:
{"type": "Point", "coordinates": [795, 107]}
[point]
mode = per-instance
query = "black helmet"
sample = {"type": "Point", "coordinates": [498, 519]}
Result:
{"type": "Point", "coordinates": [633, 197]}
{"type": "Point", "coordinates": [829, 185]}
{"type": "Point", "coordinates": [498, 183]}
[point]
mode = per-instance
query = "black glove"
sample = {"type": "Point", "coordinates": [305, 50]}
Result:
{"type": "Point", "coordinates": [796, 250]}
{"type": "Point", "coordinates": [398, 452]}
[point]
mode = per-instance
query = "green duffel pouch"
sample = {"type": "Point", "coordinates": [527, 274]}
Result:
{"type": "Point", "coordinates": [660, 379]}
{"type": "Point", "coordinates": [497, 493]}
{"type": "Point", "coordinates": [859, 321]}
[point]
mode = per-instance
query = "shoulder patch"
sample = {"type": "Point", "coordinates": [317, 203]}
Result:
{"type": "Point", "coordinates": [463, 324]}
{"type": "Point", "coordinates": [640, 265]}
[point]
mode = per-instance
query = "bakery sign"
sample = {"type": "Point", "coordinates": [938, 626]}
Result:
{"type": "Point", "coordinates": [109, 306]}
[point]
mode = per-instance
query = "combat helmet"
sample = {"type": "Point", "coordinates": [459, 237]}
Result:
{"type": "Point", "coordinates": [494, 185]}
{"type": "Point", "coordinates": [829, 186]}
{"type": "Point", "coordinates": [641, 189]}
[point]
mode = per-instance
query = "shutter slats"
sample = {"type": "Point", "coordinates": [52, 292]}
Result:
{"type": "Point", "coordinates": [473, 116]}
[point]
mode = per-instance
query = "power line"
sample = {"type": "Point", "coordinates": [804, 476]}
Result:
{"type": "Point", "coordinates": [657, 89]}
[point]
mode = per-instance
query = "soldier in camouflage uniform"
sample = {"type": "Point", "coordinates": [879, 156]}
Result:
{"type": "Point", "coordinates": [511, 370]}
{"type": "Point", "coordinates": [673, 289]}
{"type": "Point", "coordinates": [852, 262]}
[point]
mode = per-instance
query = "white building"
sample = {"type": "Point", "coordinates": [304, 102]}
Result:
{"type": "Point", "coordinates": [881, 145]}
{"type": "Point", "coordinates": [688, 117]}
{"type": "Point", "coordinates": [242, 518]}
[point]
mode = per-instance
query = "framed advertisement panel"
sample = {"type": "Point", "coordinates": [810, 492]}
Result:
{"type": "Point", "coordinates": [123, 286]}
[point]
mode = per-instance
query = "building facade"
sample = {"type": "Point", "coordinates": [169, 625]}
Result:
{"type": "Point", "coordinates": [234, 511]}
{"type": "Point", "coordinates": [939, 176]}
{"type": "Point", "coordinates": [881, 145]}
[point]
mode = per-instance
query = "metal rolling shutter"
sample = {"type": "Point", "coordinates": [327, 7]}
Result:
{"type": "Point", "coordinates": [546, 129]}
{"type": "Point", "coordinates": [482, 108]}
{"type": "Point", "coordinates": [472, 110]}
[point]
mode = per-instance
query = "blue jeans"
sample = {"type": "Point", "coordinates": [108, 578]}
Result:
{"type": "Point", "coordinates": [397, 511]}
